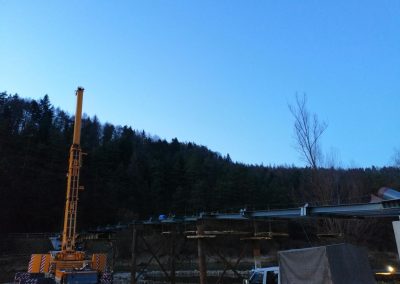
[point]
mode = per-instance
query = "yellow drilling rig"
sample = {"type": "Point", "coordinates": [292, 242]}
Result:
{"type": "Point", "coordinates": [69, 265]}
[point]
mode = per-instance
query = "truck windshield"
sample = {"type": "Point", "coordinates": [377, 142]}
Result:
{"type": "Point", "coordinates": [256, 278]}
{"type": "Point", "coordinates": [272, 277]}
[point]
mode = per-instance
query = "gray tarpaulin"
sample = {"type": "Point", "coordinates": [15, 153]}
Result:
{"type": "Point", "coordinates": [334, 264]}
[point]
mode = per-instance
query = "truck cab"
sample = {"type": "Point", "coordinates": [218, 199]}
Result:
{"type": "Point", "coordinates": [268, 275]}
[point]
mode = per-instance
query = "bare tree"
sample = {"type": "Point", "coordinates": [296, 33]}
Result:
{"type": "Point", "coordinates": [396, 158]}
{"type": "Point", "coordinates": [325, 182]}
{"type": "Point", "coordinates": [308, 130]}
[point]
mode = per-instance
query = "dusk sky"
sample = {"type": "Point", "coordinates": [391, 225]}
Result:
{"type": "Point", "coordinates": [217, 73]}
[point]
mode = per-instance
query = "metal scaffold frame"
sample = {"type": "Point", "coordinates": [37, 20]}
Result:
{"type": "Point", "coordinates": [384, 208]}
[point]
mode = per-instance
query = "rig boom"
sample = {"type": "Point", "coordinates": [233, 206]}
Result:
{"type": "Point", "coordinates": [71, 202]}
{"type": "Point", "coordinates": [69, 265]}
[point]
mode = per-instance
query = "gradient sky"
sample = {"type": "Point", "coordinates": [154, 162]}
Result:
{"type": "Point", "coordinates": [218, 73]}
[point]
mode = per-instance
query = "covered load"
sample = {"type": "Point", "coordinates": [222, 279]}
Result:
{"type": "Point", "coordinates": [333, 264]}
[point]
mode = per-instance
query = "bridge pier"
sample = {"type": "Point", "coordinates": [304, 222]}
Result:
{"type": "Point", "coordinates": [201, 254]}
{"type": "Point", "coordinates": [134, 254]}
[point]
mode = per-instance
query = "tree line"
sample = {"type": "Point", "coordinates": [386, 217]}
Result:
{"type": "Point", "coordinates": [128, 174]}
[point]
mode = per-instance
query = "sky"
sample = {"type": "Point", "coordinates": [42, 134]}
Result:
{"type": "Point", "coordinates": [217, 73]}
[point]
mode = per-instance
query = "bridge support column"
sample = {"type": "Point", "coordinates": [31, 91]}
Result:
{"type": "Point", "coordinates": [173, 255]}
{"type": "Point", "coordinates": [201, 254]}
{"type": "Point", "coordinates": [134, 254]}
{"type": "Point", "coordinates": [256, 253]}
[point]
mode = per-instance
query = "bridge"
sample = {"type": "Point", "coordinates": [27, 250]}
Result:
{"type": "Point", "coordinates": [387, 206]}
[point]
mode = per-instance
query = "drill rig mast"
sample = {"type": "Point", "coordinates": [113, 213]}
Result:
{"type": "Point", "coordinates": [73, 187]}
{"type": "Point", "coordinates": [70, 265]}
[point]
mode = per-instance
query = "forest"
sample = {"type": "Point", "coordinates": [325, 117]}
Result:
{"type": "Point", "coordinates": [128, 174]}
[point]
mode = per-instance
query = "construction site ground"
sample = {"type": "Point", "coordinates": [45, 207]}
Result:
{"type": "Point", "coordinates": [15, 253]}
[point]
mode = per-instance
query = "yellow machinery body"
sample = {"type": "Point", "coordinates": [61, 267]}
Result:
{"type": "Point", "coordinates": [58, 264]}
{"type": "Point", "coordinates": [69, 261]}
{"type": "Point", "coordinates": [39, 263]}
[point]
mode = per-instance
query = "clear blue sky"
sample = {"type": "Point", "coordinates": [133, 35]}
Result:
{"type": "Point", "coordinates": [219, 73]}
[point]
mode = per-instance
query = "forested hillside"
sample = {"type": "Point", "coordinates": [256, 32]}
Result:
{"type": "Point", "coordinates": [128, 174]}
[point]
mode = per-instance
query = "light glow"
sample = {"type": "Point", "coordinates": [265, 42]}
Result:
{"type": "Point", "coordinates": [390, 269]}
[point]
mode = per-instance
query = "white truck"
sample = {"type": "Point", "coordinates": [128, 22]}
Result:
{"type": "Point", "coordinates": [267, 275]}
{"type": "Point", "coordinates": [335, 264]}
